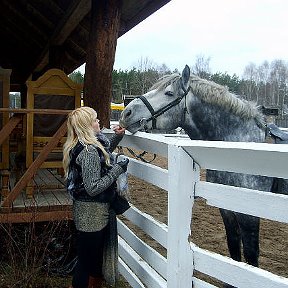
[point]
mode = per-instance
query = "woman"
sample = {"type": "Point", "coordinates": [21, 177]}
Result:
{"type": "Point", "coordinates": [91, 177]}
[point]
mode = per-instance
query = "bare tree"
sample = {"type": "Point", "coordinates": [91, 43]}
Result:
{"type": "Point", "coordinates": [250, 77]}
{"type": "Point", "coordinates": [264, 73]}
{"type": "Point", "coordinates": [278, 78]}
{"type": "Point", "coordinates": [163, 70]}
{"type": "Point", "coordinates": [147, 74]}
{"type": "Point", "coordinates": [145, 64]}
{"type": "Point", "coordinates": [201, 67]}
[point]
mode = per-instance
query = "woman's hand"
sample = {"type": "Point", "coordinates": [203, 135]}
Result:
{"type": "Point", "coordinates": [118, 130]}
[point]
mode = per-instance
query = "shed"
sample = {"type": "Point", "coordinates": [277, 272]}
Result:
{"type": "Point", "coordinates": [37, 36]}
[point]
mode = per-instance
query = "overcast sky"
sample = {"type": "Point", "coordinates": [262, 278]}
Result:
{"type": "Point", "coordinates": [232, 33]}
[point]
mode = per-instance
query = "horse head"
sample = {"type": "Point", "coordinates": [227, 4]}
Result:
{"type": "Point", "coordinates": [161, 108]}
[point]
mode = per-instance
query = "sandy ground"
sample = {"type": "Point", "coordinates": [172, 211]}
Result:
{"type": "Point", "coordinates": [207, 226]}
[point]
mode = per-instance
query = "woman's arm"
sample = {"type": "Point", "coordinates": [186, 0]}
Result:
{"type": "Point", "coordinates": [114, 141]}
{"type": "Point", "coordinates": [91, 171]}
{"type": "Point", "coordinates": [117, 137]}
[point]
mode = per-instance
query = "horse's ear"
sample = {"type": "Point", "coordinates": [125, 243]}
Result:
{"type": "Point", "coordinates": [185, 75]}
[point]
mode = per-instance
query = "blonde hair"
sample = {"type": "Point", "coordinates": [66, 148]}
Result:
{"type": "Point", "coordinates": [79, 128]}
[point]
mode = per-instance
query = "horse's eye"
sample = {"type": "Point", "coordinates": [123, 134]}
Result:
{"type": "Point", "coordinates": [169, 93]}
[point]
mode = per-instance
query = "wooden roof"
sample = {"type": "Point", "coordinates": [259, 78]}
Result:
{"type": "Point", "coordinates": [29, 29]}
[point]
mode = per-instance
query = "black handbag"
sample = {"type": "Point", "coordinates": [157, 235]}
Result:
{"type": "Point", "coordinates": [119, 204]}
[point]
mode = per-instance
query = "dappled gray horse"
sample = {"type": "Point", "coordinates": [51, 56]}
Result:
{"type": "Point", "coordinates": [207, 111]}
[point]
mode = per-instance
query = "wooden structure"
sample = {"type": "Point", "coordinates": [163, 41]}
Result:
{"type": "Point", "coordinates": [54, 34]}
{"type": "Point", "coordinates": [46, 35]}
{"type": "Point", "coordinates": [53, 90]}
{"type": "Point", "coordinates": [43, 124]}
{"type": "Point", "coordinates": [4, 118]}
{"type": "Point", "coordinates": [141, 263]}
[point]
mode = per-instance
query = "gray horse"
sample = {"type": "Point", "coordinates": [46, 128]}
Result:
{"type": "Point", "coordinates": [207, 111]}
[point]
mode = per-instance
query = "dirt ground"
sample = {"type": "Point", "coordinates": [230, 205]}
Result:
{"type": "Point", "coordinates": [208, 229]}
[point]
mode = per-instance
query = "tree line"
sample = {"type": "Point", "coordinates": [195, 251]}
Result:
{"type": "Point", "coordinates": [265, 84]}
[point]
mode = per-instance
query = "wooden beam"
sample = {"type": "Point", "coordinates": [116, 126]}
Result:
{"type": "Point", "coordinates": [71, 20]}
{"type": "Point", "coordinates": [78, 10]}
{"type": "Point", "coordinates": [35, 111]}
{"type": "Point", "coordinates": [8, 128]}
{"type": "Point", "coordinates": [36, 216]}
{"type": "Point", "coordinates": [150, 8]}
{"type": "Point", "coordinates": [103, 34]}
{"type": "Point", "coordinates": [31, 171]}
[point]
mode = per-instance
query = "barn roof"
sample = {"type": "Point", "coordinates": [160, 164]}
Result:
{"type": "Point", "coordinates": [29, 29]}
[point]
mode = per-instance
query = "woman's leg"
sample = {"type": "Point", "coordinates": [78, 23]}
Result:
{"type": "Point", "coordinates": [81, 272]}
{"type": "Point", "coordinates": [90, 257]}
{"type": "Point", "coordinates": [96, 258]}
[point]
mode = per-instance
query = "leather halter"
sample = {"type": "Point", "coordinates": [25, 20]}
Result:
{"type": "Point", "coordinates": [155, 114]}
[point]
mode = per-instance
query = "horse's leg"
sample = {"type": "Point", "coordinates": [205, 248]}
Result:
{"type": "Point", "coordinates": [233, 233]}
{"type": "Point", "coordinates": [240, 225]}
{"type": "Point", "coordinates": [249, 226]}
{"type": "Point", "coordinates": [280, 186]}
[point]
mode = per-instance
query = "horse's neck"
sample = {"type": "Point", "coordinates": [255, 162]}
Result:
{"type": "Point", "coordinates": [207, 122]}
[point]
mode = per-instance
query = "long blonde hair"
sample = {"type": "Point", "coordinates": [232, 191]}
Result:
{"type": "Point", "coordinates": [79, 128]}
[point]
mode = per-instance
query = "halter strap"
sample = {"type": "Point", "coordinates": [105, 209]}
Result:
{"type": "Point", "coordinates": [150, 108]}
{"type": "Point", "coordinates": [155, 114]}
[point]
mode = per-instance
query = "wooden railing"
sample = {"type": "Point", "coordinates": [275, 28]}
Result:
{"type": "Point", "coordinates": [143, 266]}
{"type": "Point", "coordinates": [49, 145]}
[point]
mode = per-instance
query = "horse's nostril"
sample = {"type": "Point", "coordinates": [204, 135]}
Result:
{"type": "Point", "coordinates": [128, 113]}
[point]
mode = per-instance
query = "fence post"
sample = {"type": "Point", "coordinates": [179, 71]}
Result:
{"type": "Point", "coordinates": [180, 202]}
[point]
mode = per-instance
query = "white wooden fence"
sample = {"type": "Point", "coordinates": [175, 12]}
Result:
{"type": "Point", "coordinates": [142, 266]}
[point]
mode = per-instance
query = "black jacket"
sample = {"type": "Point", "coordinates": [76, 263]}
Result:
{"type": "Point", "coordinates": [75, 185]}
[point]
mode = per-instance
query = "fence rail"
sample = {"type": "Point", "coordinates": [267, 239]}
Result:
{"type": "Point", "coordinates": [142, 266]}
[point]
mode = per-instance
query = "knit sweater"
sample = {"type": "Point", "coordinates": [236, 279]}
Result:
{"type": "Point", "coordinates": [94, 216]}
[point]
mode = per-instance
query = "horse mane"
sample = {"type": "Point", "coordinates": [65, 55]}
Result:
{"type": "Point", "coordinates": [213, 93]}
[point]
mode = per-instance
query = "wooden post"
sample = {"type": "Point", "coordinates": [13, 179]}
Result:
{"type": "Point", "coordinates": [5, 183]}
{"type": "Point", "coordinates": [32, 169]}
{"type": "Point", "coordinates": [4, 133]}
{"type": "Point", "coordinates": [180, 203]}
{"type": "Point", "coordinates": [104, 27]}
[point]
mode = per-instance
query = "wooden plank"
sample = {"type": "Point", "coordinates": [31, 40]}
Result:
{"type": "Point", "coordinates": [155, 229]}
{"type": "Point", "coordinates": [70, 21]}
{"type": "Point", "coordinates": [47, 180]}
{"type": "Point", "coordinates": [19, 203]}
{"type": "Point", "coordinates": [35, 111]}
{"type": "Point", "coordinates": [30, 204]}
{"type": "Point", "coordinates": [179, 254]}
{"type": "Point", "coordinates": [52, 181]}
{"type": "Point", "coordinates": [53, 202]}
{"type": "Point", "coordinates": [41, 202]}
{"type": "Point", "coordinates": [8, 128]}
{"type": "Point", "coordinates": [29, 136]}
{"type": "Point", "coordinates": [63, 198]}
{"type": "Point", "coordinates": [253, 202]}
{"type": "Point", "coordinates": [141, 269]}
{"type": "Point", "coordinates": [149, 173]}
{"type": "Point", "coordinates": [147, 253]}
{"type": "Point", "coordinates": [37, 181]}
{"type": "Point", "coordinates": [234, 273]}
{"type": "Point", "coordinates": [35, 165]}
{"type": "Point", "coordinates": [35, 216]}
{"type": "Point", "coordinates": [61, 181]}
{"type": "Point", "coordinates": [240, 157]}
{"type": "Point", "coordinates": [50, 164]}
{"type": "Point", "coordinates": [44, 180]}
{"type": "Point", "coordinates": [153, 143]}
{"type": "Point", "coordinates": [129, 275]}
